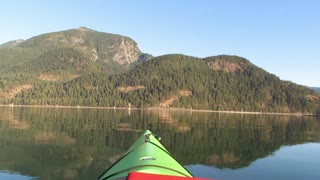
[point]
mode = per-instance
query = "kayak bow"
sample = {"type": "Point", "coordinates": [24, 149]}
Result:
{"type": "Point", "coordinates": [146, 157]}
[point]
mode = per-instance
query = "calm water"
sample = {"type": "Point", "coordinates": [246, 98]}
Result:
{"type": "Point", "coordinates": [52, 143]}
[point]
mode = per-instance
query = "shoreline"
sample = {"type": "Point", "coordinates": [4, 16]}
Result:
{"type": "Point", "coordinates": [160, 108]}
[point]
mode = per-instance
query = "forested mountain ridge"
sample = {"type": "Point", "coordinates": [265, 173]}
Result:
{"type": "Point", "coordinates": [98, 45]}
{"type": "Point", "coordinates": [11, 44]}
{"type": "Point", "coordinates": [88, 68]}
{"type": "Point", "coordinates": [65, 55]}
{"type": "Point", "coordinates": [220, 82]}
{"type": "Point", "coordinates": [104, 48]}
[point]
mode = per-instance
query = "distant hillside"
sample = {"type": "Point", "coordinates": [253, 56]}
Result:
{"type": "Point", "coordinates": [89, 68]}
{"type": "Point", "coordinates": [11, 44]}
{"type": "Point", "coordinates": [64, 55]}
{"type": "Point", "coordinates": [225, 82]}
{"type": "Point", "coordinates": [316, 89]}
{"type": "Point", "coordinates": [99, 46]}
{"type": "Point", "coordinates": [113, 52]}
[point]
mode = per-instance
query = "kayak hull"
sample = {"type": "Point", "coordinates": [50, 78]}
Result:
{"type": "Point", "coordinates": [146, 155]}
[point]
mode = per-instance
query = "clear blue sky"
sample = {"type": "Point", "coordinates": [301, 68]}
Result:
{"type": "Point", "coordinates": [280, 36]}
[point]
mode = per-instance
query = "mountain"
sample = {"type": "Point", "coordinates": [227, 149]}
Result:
{"type": "Point", "coordinates": [89, 68]}
{"type": "Point", "coordinates": [218, 82]}
{"type": "Point", "coordinates": [11, 44]}
{"type": "Point", "coordinates": [112, 52]}
{"type": "Point", "coordinates": [99, 46]}
{"type": "Point", "coordinates": [316, 89]}
{"type": "Point", "coordinates": [66, 55]}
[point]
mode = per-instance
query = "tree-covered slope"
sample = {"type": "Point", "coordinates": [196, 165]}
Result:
{"type": "Point", "coordinates": [63, 56]}
{"type": "Point", "coordinates": [214, 83]}
{"type": "Point", "coordinates": [99, 46]}
{"type": "Point", "coordinates": [89, 68]}
{"type": "Point", "coordinates": [11, 44]}
{"type": "Point", "coordinates": [225, 82]}
{"type": "Point", "coordinates": [113, 53]}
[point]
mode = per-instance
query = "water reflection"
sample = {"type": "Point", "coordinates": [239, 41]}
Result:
{"type": "Point", "coordinates": [53, 143]}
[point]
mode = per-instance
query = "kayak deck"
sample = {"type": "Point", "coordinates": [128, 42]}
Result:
{"type": "Point", "coordinates": [146, 155]}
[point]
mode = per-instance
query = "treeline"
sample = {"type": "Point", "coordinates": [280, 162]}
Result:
{"type": "Point", "coordinates": [248, 88]}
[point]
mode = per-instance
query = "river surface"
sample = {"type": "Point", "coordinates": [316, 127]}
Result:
{"type": "Point", "coordinates": [76, 143]}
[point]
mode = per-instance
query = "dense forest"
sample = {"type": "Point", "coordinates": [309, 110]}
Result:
{"type": "Point", "coordinates": [83, 67]}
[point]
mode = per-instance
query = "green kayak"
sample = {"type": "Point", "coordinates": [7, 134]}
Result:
{"type": "Point", "coordinates": [145, 159]}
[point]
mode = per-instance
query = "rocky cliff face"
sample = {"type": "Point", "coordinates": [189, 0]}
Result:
{"type": "Point", "coordinates": [123, 51]}
{"type": "Point", "coordinates": [104, 46]}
